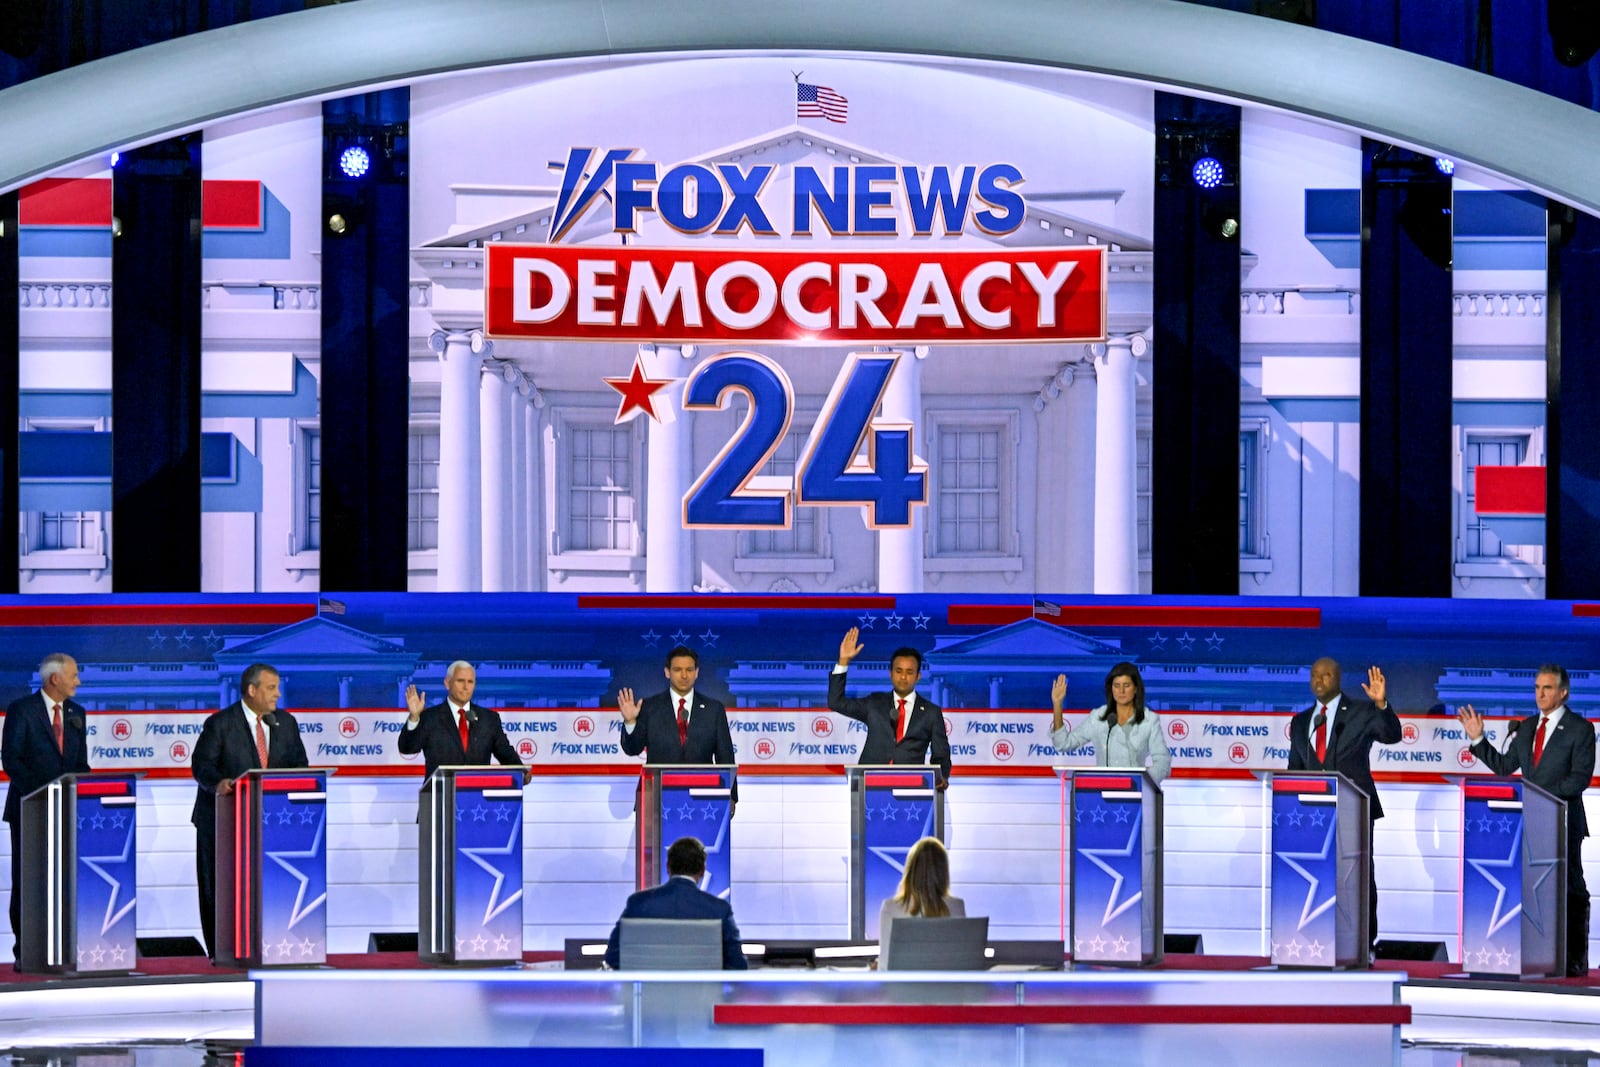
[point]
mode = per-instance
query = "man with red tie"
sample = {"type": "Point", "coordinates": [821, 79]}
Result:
{"type": "Point", "coordinates": [45, 737]}
{"type": "Point", "coordinates": [901, 726]}
{"type": "Point", "coordinates": [680, 725]}
{"type": "Point", "coordinates": [1336, 733]}
{"type": "Point", "coordinates": [456, 732]}
{"type": "Point", "coordinates": [1554, 750]}
{"type": "Point", "coordinates": [249, 734]}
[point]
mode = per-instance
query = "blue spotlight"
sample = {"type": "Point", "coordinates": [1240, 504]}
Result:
{"type": "Point", "coordinates": [1208, 172]}
{"type": "Point", "coordinates": [1446, 165]}
{"type": "Point", "coordinates": [354, 161]}
{"type": "Point", "coordinates": [116, 157]}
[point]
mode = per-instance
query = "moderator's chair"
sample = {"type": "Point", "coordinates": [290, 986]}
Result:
{"type": "Point", "coordinates": [671, 945]}
{"type": "Point", "coordinates": [920, 944]}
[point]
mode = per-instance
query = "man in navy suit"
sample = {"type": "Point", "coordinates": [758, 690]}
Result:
{"type": "Point", "coordinates": [901, 726]}
{"type": "Point", "coordinates": [679, 725]}
{"type": "Point", "coordinates": [246, 735]}
{"type": "Point", "coordinates": [680, 897]}
{"type": "Point", "coordinates": [44, 738]}
{"type": "Point", "coordinates": [456, 732]}
{"type": "Point", "coordinates": [1553, 750]}
{"type": "Point", "coordinates": [1337, 732]}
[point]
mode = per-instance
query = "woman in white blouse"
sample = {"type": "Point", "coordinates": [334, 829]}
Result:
{"type": "Point", "coordinates": [1123, 732]}
{"type": "Point", "coordinates": [924, 891]}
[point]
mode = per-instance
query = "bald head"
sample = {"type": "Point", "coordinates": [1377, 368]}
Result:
{"type": "Point", "coordinates": [1325, 679]}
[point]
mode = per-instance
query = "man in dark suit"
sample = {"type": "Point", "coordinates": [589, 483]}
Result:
{"type": "Point", "coordinates": [44, 738]}
{"type": "Point", "coordinates": [680, 897]}
{"type": "Point", "coordinates": [246, 735]}
{"type": "Point", "coordinates": [901, 726]}
{"type": "Point", "coordinates": [1336, 733]}
{"type": "Point", "coordinates": [679, 725]}
{"type": "Point", "coordinates": [456, 732]}
{"type": "Point", "coordinates": [1553, 750]}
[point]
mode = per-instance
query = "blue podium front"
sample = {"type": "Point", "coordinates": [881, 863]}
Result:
{"type": "Point", "coordinates": [891, 809]}
{"type": "Point", "coordinates": [1321, 841]}
{"type": "Point", "coordinates": [469, 892]}
{"type": "Point", "coordinates": [1116, 906]}
{"type": "Point", "coordinates": [1513, 879]}
{"type": "Point", "coordinates": [691, 800]}
{"type": "Point", "coordinates": [272, 870]}
{"type": "Point", "coordinates": [79, 898]}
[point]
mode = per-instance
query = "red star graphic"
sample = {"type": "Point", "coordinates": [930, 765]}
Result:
{"type": "Point", "coordinates": [638, 391]}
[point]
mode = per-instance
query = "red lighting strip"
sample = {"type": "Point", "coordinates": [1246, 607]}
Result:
{"type": "Point", "coordinates": [1138, 615]}
{"type": "Point", "coordinates": [104, 789]}
{"type": "Point", "coordinates": [1491, 792]}
{"type": "Point", "coordinates": [723, 601]}
{"type": "Point", "coordinates": [155, 614]}
{"type": "Point", "coordinates": [290, 785]}
{"type": "Point", "coordinates": [906, 1015]}
{"type": "Point", "coordinates": [1300, 785]}
{"type": "Point", "coordinates": [1088, 782]}
{"type": "Point", "coordinates": [686, 780]}
{"type": "Point", "coordinates": [241, 868]}
{"type": "Point", "coordinates": [897, 781]}
{"type": "Point", "coordinates": [484, 781]}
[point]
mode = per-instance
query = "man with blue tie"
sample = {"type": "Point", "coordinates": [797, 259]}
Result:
{"type": "Point", "coordinates": [1555, 751]}
{"type": "Point", "coordinates": [45, 737]}
{"type": "Point", "coordinates": [247, 735]}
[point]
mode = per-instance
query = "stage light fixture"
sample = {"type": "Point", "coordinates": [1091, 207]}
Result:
{"type": "Point", "coordinates": [1229, 228]}
{"type": "Point", "coordinates": [1208, 172]}
{"type": "Point", "coordinates": [1446, 165]}
{"type": "Point", "coordinates": [116, 157]}
{"type": "Point", "coordinates": [337, 223]}
{"type": "Point", "coordinates": [355, 161]}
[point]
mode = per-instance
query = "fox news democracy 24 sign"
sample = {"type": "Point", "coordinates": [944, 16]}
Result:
{"type": "Point", "coordinates": [840, 293]}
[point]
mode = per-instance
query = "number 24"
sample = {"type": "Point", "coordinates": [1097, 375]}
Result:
{"type": "Point", "coordinates": [730, 495]}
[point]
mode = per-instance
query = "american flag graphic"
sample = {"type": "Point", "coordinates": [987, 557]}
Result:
{"type": "Point", "coordinates": [820, 102]}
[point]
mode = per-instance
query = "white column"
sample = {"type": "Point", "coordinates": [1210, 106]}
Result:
{"type": "Point", "coordinates": [1064, 483]}
{"type": "Point", "coordinates": [460, 488]}
{"type": "Point", "coordinates": [1116, 535]}
{"type": "Point", "coordinates": [494, 437]}
{"type": "Point", "coordinates": [669, 563]}
{"type": "Point", "coordinates": [900, 551]}
{"type": "Point", "coordinates": [532, 475]}
{"type": "Point", "coordinates": [520, 487]}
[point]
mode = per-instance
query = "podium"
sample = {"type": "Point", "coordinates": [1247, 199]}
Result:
{"type": "Point", "coordinates": [1513, 879]}
{"type": "Point", "coordinates": [79, 894]}
{"type": "Point", "coordinates": [469, 866]}
{"type": "Point", "coordinates": [1115, 905]}
{"type": "Point", "coordinates": [685, 800]}
{"type": "Point", "coordinates": [892, 807]}
{"type": "Point", "coordinates": [272, 870]}
{"type": "Point", "coordinates": [1321, 842]}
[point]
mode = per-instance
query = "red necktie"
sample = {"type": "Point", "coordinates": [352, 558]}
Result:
{"type": "Point", "coordinates": [261, 741]}
{"type": "Point", "coordinates": [683, 724]}
{"type": "Point", "coordinates": [1322, 736]}
{"type": "Point", "coordinates": [465, 729]}
{"type": "Point", "coordinates": [55, 724]}
{"type": "Point", "coordinates": [900, 724]}
{"type": "Point", "coordinates": [1538, 740]}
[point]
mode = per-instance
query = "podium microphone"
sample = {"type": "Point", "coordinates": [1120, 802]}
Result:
{"type": "Point", "coordinates": [471, 714]}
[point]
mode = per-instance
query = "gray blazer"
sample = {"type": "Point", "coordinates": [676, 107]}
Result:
{"type": "Point", "coordinates": [1137, 742]}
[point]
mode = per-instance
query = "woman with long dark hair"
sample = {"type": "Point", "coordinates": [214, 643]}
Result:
{"type": "Point", "coordinates": [924, 891]}
{"type": "Point", "coordinates": [1122, 731]}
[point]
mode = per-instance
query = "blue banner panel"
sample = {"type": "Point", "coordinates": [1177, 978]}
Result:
{"type": "Point", "coordinates": [1305, 865]}
{"type": "Point", "coordinates": [1491, 878]}
{"type": "Point", "coordinates": [107, 913]}
{"type": "Point", "coordinates": [899, 812]}
{"type": "Point", "coordinates": [1107, 868]}
{"type": "Point", "coordinates": [488, 866]}
{"type": "Point", "coordinates": [294, 869]}
{"type": "Point", "coordinates": [696, 804]}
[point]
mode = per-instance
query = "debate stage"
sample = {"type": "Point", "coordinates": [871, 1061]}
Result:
{"type": "Point", "coordinates": [1202, 1009]}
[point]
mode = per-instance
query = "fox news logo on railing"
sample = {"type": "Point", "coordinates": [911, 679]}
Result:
{"type": "Point", "coordinates": [840, 292]}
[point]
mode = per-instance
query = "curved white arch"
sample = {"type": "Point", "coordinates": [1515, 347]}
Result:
{"type": "Point", "coordinates": [1546, 144]}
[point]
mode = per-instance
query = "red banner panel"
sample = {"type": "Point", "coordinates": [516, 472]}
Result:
{"type": "Point", "coordinates": [1509, 491]}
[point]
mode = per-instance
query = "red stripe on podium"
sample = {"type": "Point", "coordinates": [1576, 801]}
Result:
{"type": "Point", "coordinates": [906, 1015]}
{"type": "Point", "coordinates": [485, 781]}
{"type": "Point", "coordinates": [1491, 792]}
{"type": "Point", "coordinates": [691, 779]}
{"type": "Point", "coordinates": [896, 781]}
{"type": "Point", "coordinates": [1301, 785]}
{"type": "Point", "coordinates": [289, 785]}
{"type": "Point", "coordinates": [1082, 781]}
{"type": "Point", "coordinates": [104, 789]}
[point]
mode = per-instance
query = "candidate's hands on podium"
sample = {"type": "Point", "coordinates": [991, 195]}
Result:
{"type": "Point", "coordinates": [414, 702]}
{"type": "Point", "coordinates": [1376, 688]}
{"type": "Point", "coordinates": [628, 706]}
{"type": "Point", "coordinates": [1471, 721]}
{"type": "Point", "coordinates": [850, 647]}
{"type": "Point", "coordinates": [224, 787]}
